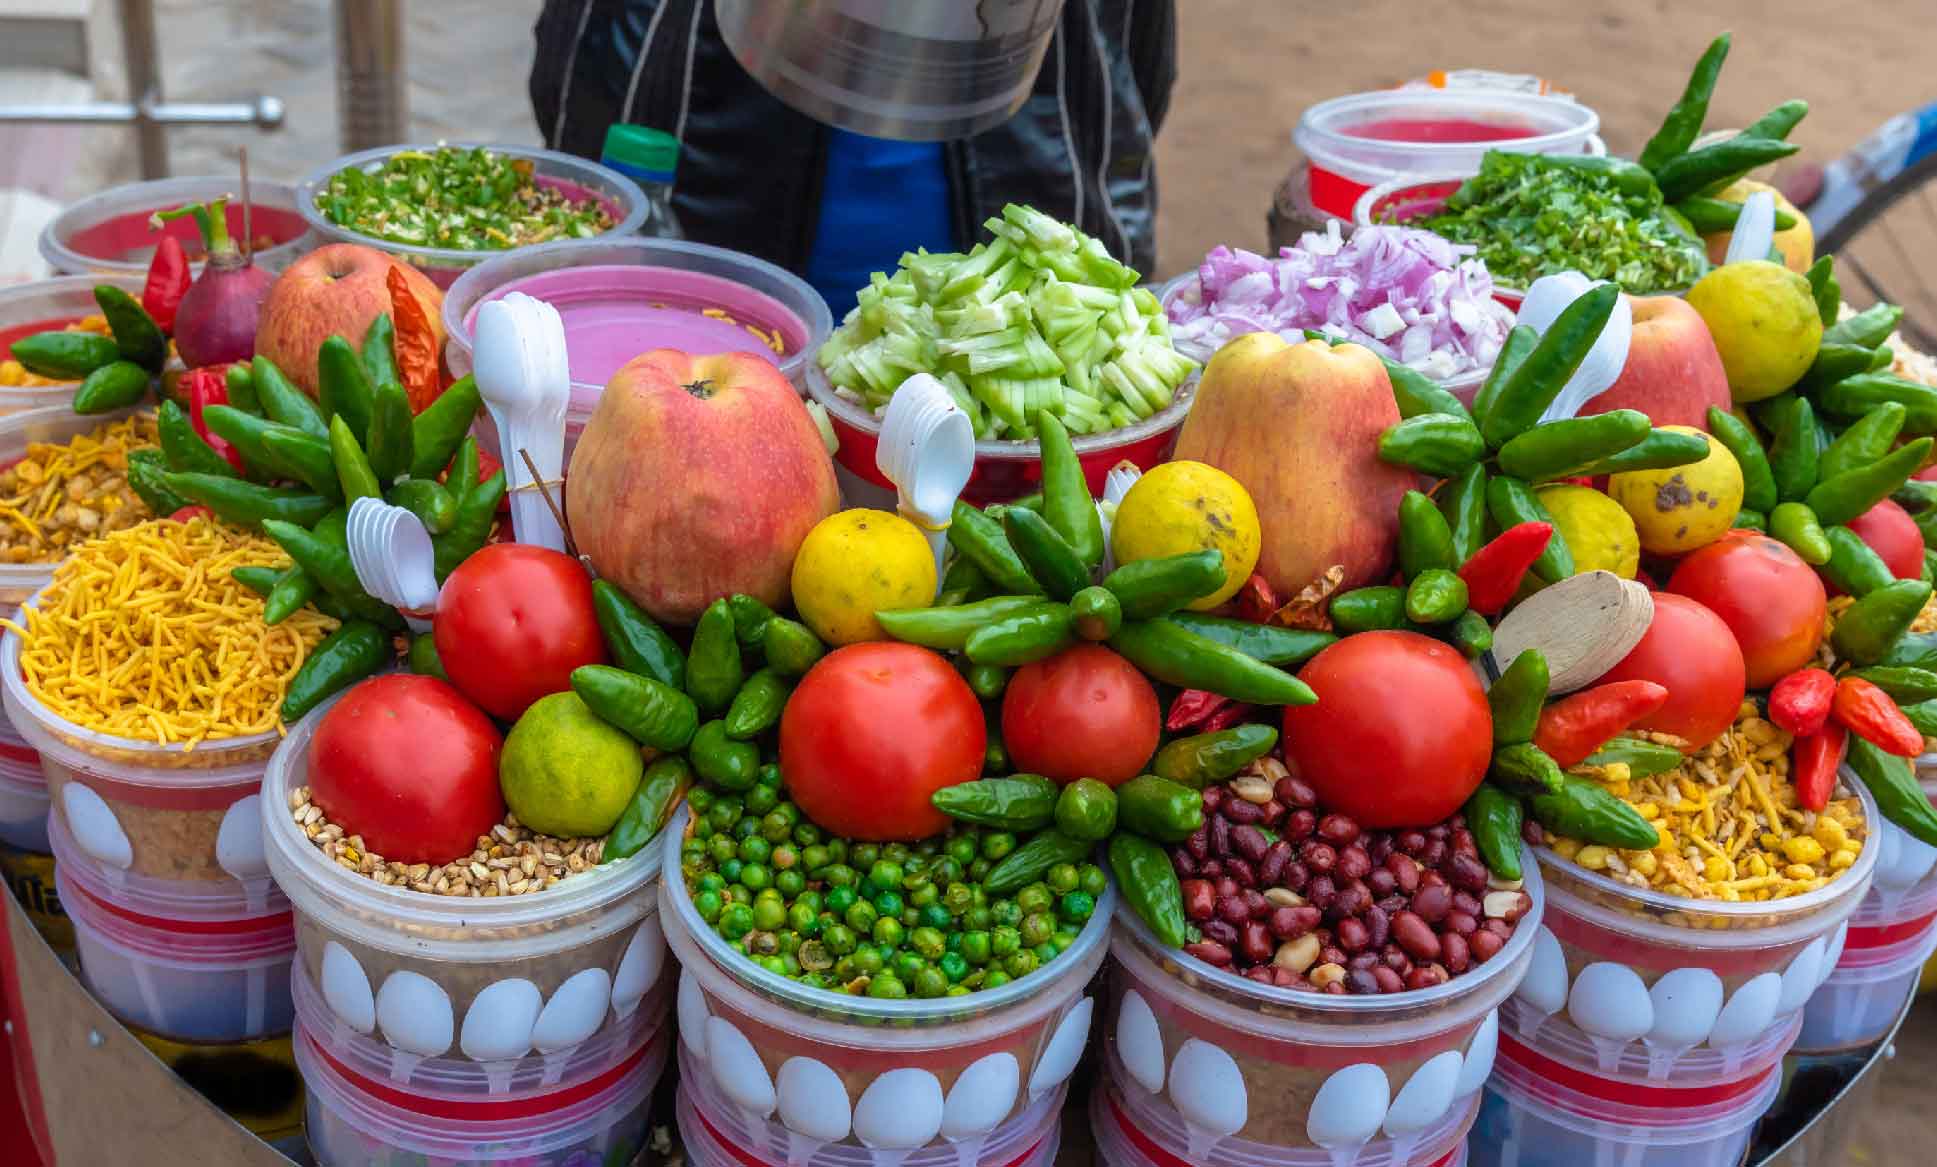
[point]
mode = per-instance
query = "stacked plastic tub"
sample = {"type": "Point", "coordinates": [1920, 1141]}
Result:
{"type": "Point", "coordinates": [523, 1030]}
{"type": "Point", "coordinates": [1881, 950]}
{"type": "Point", "coordinates": [774, 1073]}
{"type": "Point", "coordinates": [1650, 1029]}
{"type": "Point", "coordinates": [1204, 1066]}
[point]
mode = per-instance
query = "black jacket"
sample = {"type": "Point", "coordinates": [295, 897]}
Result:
{"type": "Point", "coordinates": [750, 166]}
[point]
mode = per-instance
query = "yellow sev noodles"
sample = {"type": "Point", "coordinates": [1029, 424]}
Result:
{"type": "Point", "coordinates": [143, 634]}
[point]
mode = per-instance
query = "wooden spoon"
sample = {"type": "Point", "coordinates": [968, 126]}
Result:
{"type": "Point", "coordinates": [1584, 625]}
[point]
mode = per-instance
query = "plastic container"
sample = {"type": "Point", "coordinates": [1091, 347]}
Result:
{"type": "Point", "coordinates": [414, 968]}
{"type": "Point", "coordinates": [858, 1057]}
{"type": "Point", "coordinates": [358, 1121]}
{"type": "Point", "coordinates": [56, 422]}
{"type": "Point", "coordinates": [192, 972]}
{"type": "Point", "coordinates": [1222, 1061]}
{"type": "Point", "coordinates": [1656, 979]}
{"type": "Point", "coordinates": [1529, 1121]}
{"type": "Point", "coordinates": [30, 876]}
{"type": "Point", "coordinates": [1863, 995]}
{"type": "Point", "coordinates": [23, 800]}
{"type": "Point", "coordinates": [576, 177]}
{"type": "Point", "coordinates": [717, 1133]}
{"type": "Point", "coordinates": [1561, 1048]}
{"type": "Point", "coordinates": [43, 306]}
{"type": "Point", "coordinates": [108, 233]}
{"type": "Point", "coordinates": [1904, 890]}
{"type": "Point", "coordinates": [180, 815]}
{"type": "Point", "coordinates": [1345, 161]}
{"type": "Point", "coordinates": [1004, 470]}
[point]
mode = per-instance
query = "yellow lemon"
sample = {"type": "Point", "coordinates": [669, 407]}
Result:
{"type": "Point", "coordinates": [1684, 507]}
{"type": "Point", "coordinates": [566, 772]}
{"type": "Point", "coordinates": [1764, 322]}
{"type": "Point", "coordinates": [1180, 507]}
{"type": "Point", "coordinates": [1797, 244]}
{"type": "Point", "coordinates": [1598, 532]}
{"type": "Point", "coordinates": [856, 563]}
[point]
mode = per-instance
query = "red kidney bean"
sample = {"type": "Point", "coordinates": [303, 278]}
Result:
{"type": "Point", "coordinates": [1438, 831]}
{"type": "Point", "coordinates": [1405, 869]}
{"type": "Point", "coordinates": [1380, 848]}
{"type": "Point", "coordinates": [1260, 973]}
{"type": "Point", "coordinates": [1213, 798]}
{"type": "Point", "coordinates": [1363, 960]}
{"type": "Point", "coordinates": [1296, 876]}
{"type": "Point", "coordinates": [1250, 842]}
{"type": "Point", "coordinates": [1396, 959]}
{"type": "Point", "coordinates": [1200, 901]}
{"type": "Point", "coordinates": [1320, 892]}
{"type": "Point", "coordinates": [1271, 869]}
{"type": "Point", "coordinates": [1466, 902]}
{"type": "Point", "coordinates": [1531, 832]}
{"type": "Point", "coordinates": [1283, 923]}
{"type": "Point", "coordinates": [1220, 836]}
{"type": "Point", "coordinates": [1396, 902]}
{"type": "Point", "coordinates": [1354, 863]}
{"type": "Point", "coordinates": [1338, 830]}
{"type": "Point", "coordinates": [1256, 939]}
{"type": "Point", "coordinates": [1240, 812]}
{"type": "Point", "coordinates": [1352, 935]}
{"type": "Point", "coordinates": [1425, 977]}
{"type": "Point", "coordinates": [1485, 946]}
{"type": "Point", "coordinates": [1284, 978]}
{"type": "Point", "coordinates": [1457, 820]}
{"type": "Point", "coordinates": [1427, 876]}
{"type": "Point", "coordinates": [1308, 918]}
{"type": "Point", "coordinates": [1411, 932]}
{"type": "Point", "coordinates": [1274, 812]}
{"type": "Point", "coordinates": [1225, 886]}
{"type": "Point", "coordinates": [1243, 872]}
{"type": "Point", "coordinates": [1382, 882]}
{"type": "Point", "coordinates": [1463, 843]}
{"type": "Point", "coordinates": [1461, 923]}
{"type": "Point", "coordinates": [1378, 924]}
{"type": "Point", "coordinates": [1431, 902]}
{"type": "Point", "coordinates": [1351, 900]}
{"type": "Point", "coordinates": [1294, 792]}
{"type": "Point", "coordinates": [1210, 869]}
{"type": "Point", "coordinates": [1210, 952]}
{"type": "Point", "coordinates": [1336, 988]}
{"type": "Point", "coordinates": [1332, 954]}
{"type": "Point", "coordinates": [1411, 842]}
{"type": "Point", "coordinates": [1434, 854]}
{"type": "Point", "coordinates": [1360, 982]}
{"type": "Point", "coordinates": [1388, 980]}
{"type": "Point", "coordinates": [1300, 825]}
{"type": "Point", "coordinates": [1466, 872]}
{"type": "Point", "coordinates": [1184, 864]}
{"type": "Point", "coordinates": [1199, 843]}
{"type": "Point", "coordinates": [1454, 954]}
{"type": "Point", "coordinates": [1320, 857]}
{"type": "Point", "coordinates": [1221, 932]}
{"type": "Point", "coordinates": [1499, 928]}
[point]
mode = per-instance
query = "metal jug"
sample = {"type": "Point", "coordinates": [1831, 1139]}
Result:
{"type": "Point", "coordinates": [918, 70]}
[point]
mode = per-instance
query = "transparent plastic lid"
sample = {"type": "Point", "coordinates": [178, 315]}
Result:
{"type": "Point", "coordinates": [1360, 135]}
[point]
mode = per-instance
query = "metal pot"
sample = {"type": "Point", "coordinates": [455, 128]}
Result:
{"type": "Point", "coordinates": [918, 70]}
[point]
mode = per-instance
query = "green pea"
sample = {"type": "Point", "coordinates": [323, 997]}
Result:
{"type": "Point", "coordinates": [888, 903]}
{"type": "Point", "coordinates": [700, 799]}
{"type": "Point", "coordinates": [861, 916]}
{"type": "Point", "coordinates": [935, 916]}
{"type": "Point", "coordinates": [1008, 913]}
{"type": "Point", "coordinates": [839, 899]}
{"type": "Point", "coordinates": [928, 942]}
{"type": "Point", "coordinates": [924, 895]}
{"type": "Point", "coordinates": [711, 881]}
{"type": "Point", "coordinates": [995, 978]}
{"type": "Point", "coordinates": [768, 914]}
{"type": "Point", "coordinates": [1004, 941]}
{"type": "Point", "coordinates": [708, 905]}
{"type": "Point", "coordinates": [887, 988]}
{"type": "Point", "coordinates": [1047, 952]}
{"type": "Point", "coordinates": [732, 868]}
{"type": "Point", "coordinates": [723, 848]}
{"type": "Point", "coordinates": [888, 931]}
{"type": "Point", "coordinates": [996, 846]}
{"type": "Point", "coordinates": [839, 875]}
{"type": "Point", "coordinates": [953, 966]}
{"type": "Point", "coordinates": [812, 899]}
{"type": "Point", "coordinates": [774, 965]}
{"type": "Point", "coordinates": [1034, 898]}
{"type": "Point", "coordinates": [956, 899]}
{"type": "Point", "coordinates": [885, 876]}
{"type": "Point", "coordinates": [867, 961]}
{"type": "Point", "coordinates": [807, 834]}
{"type": "Point", "coordinates": [790, 882]}
{"type": "Point", "coordinates": [962, 848]}
{"type": "Point", "coordinates": [736, 921]}
{"type": "Point", "coordinates": [738, 894]}
{"type": "Point", "coordinates": [784, 857]}
{"type": "Point", "coordinates": [803, 920]}
{"type": "Point", "coordinates": [746, 828]}
{"type": "Point", "coordinates": [775, 827]}
{"type": "Point", "coordinates": [862, 855]}
{"type": "Point", "coordinates": [896, 852]}
{"type": "Point", "coordinates": [1077, 907]}
{"type": "Point", "coordinates": [1091, 880]}
{"type": "Point", "coordinates": [978, 919]}
{"type": "Point", "coordinates": [813, 857]}
{"type": "Point", "coordinates": [1036, 929]}
{"type": "Point", "coordinates": [839, 939]}
{"type": "Point", "coordinates": [701, 830]}
{"type": "Point", "coordinates": [756, 876]}
{"type": "Point", "coordinates": [1062, 878]}
{"type": "Point", "coordinates": [930, 983]}
{"type": "Point", "coordinates": [979, 870]}
{"type": "Point", "coordinates": [756, 850]}
{"type": "Point", "coordinates": [760, 800]}
{"type": "Point", "coordinates": [837, 851]}
{"type": "Point", "coordinates": [906, 964]}
{"type": "Point", "coordinates": [769, 776]}
{"type": "Point", "coordinates": [976, 947]}
{"type": "Point", "coordinates": [1020, 964]}
{"type": "Point", "coordinates": [1063, 940]}
{"type": "Point", "coordinates": [947, 871]}
{"type": "Point", "coordinates": [724, 814]}
{"type": "Point", "coordinates": [957, 991]}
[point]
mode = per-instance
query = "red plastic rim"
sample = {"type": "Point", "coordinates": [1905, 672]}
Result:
{"type": "Point", "coordinates": [748, 1159]}
{"type": "Point", "coordinates": [1666, 1098]}
{"type": "Point", "coordinates": [281, 921]}
{"type": "Point", "coordinates": [1335, 194]}
{"type": "Point", "coordinates": [496, 1109]}
{"type": "Point", "coordinates": [1149, 1149]}
{"type": "Point", "coordinates": [1882, 934]}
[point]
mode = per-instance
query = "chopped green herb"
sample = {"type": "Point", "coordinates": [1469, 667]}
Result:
{"type": "Point", "coordinates": [459, 199]}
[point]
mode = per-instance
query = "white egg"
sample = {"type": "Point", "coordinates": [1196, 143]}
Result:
{"type": "Point", "coordinates": [574, 1012]}
{"type": "Point", "coordinates": [899, 1111]}
{"type": "Point", "coordinates": [1749, 1012]}
{"type": "Point", "coordinates": [737, 1067]}
{"type": "Point", "coordinates": [1686, 1001]}
{"type": "Point", "coordinates": [692, 1014]}
{"type": "Point", "coordinates": [644, 956]}
{"type": "Point", "coordinates": [92, 823]}
{"type": "Point", "coordinates": [1802, 976]}
{"type": "Point", "coordinates": [1349, 1107]}
{"type": "Point", "coordinates": [238, 842]}
{"type": "Point", "coordinates": [1423, 1100]}
{"type": "Point", "coordinates": [1207, 1088]}
{"type": "Point", "coordinates": [813, 1100]}
{"type": "Point", "coordinates": [1609, 1000]}
{"type": "Point", "coordinates": [1834, 953]}
{"type": "Point", "coordinates": [346, 988]}
{"type": "Point", "coordinates": [1058, 1059]}
{"type": "Point", "coordinates": [498, 1024]}
{"type": "Point", "coordinates": [1478, 1063]}
{"type": "Point", "coordinates": [1544, 989]}
{"type": "Point", "coordinates": [415, 1013]}
{"type": "Point", "coordinates": [1139, 1042]}
{"type": "Point", "coordinates": [983, 1095]}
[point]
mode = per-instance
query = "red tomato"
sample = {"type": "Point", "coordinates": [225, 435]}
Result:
{"type": "Point", "coordinates": [1691, 652]}
{"type": "Point", "coordinates": [409, 764]}
{"type": "Point", "coordinates": [1893, 535]}
{"type": "Point", "coordinates": [1083, 713]}
{"type": "Point", "coordinates": [1770, 599]}
{"type": "Point", "coordinates": [513, 621]}
{"type": "Point", "coordinates": [871, 732]}
{"type": "Point", "coordinates": [1401, 734]}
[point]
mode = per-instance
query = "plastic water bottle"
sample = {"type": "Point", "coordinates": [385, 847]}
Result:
{"type": "Point", "coordinates": [650, 158]}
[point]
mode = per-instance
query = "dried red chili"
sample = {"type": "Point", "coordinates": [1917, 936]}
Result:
{"type": "Point", "coordinates": [416, 343]}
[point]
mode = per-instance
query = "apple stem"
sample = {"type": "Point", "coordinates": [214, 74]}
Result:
{"type": "Point", "coordinates": [702, 388]}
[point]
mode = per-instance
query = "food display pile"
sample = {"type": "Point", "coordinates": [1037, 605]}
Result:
{"type": "Point", "coordinates": [1473, 688]}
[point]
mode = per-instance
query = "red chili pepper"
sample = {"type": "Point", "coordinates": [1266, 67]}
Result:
{"type": "Point", "coordinates": [202, 388]}
{"type": "Point", "coordinates": [1493, 573]}
{"type": "Point", "coordinates": [1194, 707]}
{"type": "Point", "coordinates": [1870, 713]}
{"type": "Point", "coordinates": [1800, 701]}
{"type": "Point", "coordinates": [168, 281]}
{"type": "Point", "coordinates": [1573, 727]}
{"type": "Point", "coordinates": [195, 512]}
{"type": "Point", "coordinates": [1255, 600]}
{"type": "Point", "coordinates": [1225, 718]}
{"type": "Point", "coordinates": [1817, 756]}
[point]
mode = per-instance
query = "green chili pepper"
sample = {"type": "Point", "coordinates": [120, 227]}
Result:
{"type": "Point", "coordinates": [1793, 453]}
{"type": "Point", "coordinates": [1374, 609]}
{"type": "Point", "coordinates": [379, 351]}
{"type": "Point", "coordinates": [113, 386]}
{"type": "Point", "coordinates": [718, 759]}
{"type": "Point", "coordinates": [963, 580]}
{"type": "Point", "coordinates": [1833, 363]}
{"type": "Point", "coordinates": [1865, 632]}
{"type": "Point", "coordinates": [1660, 450]}
{"type": "Point", "coordinates": [148, 478]}
{"type": "Point", "coordinates": [1539, 379]}
{"type": "Point", "coordinates": [1027, 863]}
{"type": "Point", "coordinates": [476, 512]}
{"type": "Point", "coordinates": [1416, 394]}
{"type": "Point", "coordinates": [1179, 657]}
{"type": "Point", "coordinates": [1644, 759]}
{"type": "Point", "coordinates": [294, 588]}
{"type": "Point", "coordinates": [462, 478]}
{"type": "Point", "coordinates": [995, 758]}
{"type": "Point", "coordinates": [1517, 698]}
{"type": "Point", "coordinates": [1067, 504]}
{"type": "Point", "coordinates": [979, 538]}
{"type": "Point", "coordinates": [1425, 539]}
{"type": "Point", "coordinates": [247, 504]}
{"type": "Point", "coordinates": [1439, 444]}
{"type": "Point", "coordinates": [1923, 715]}
{"type": "Point", "coordinates": [326, 560]}
{"type": "Point", "coordinates": [1715, 216]}
{"type": "Point", "coordinates": [1159, 809]}
{"type": "Point", "coordinates": [660, 789]}
{"type": "Point", "coordinates": [1586, 811]}
{"type": "Point", "coordinates": [1514, 351]}
{"type": "Point", "coordinates": [284, 402]}
{"type": "Point", "coordinates": [1086, 809]}
{"type": "Point", "coordinates": [423, 659]}
{"type": "Point", "coordinates": [949, 629]}
{"type": "Point", "coordinates": [1493, 816]}
{"type": "Point", "coordinates": [64, 355]}
{"type": "Point", "coordinates": [1748, 520]}
{"type": "Point", "coordinates": [1149, 886]}
{"type": "Point", "coordinates": [429, 501]}
{"type": "Point", "coordinates": [713, 668]}
{"type": "Point", "coordinates": [1561, 449]}
{"type": "Point", "coordinates": [1758, 481]}
{"type": "Point", "coordinates": [136, 335]}
{"type": "Point", "coordinates": [184, 448]}
{"type": "Point", "coordinates": [1095, 613]}
{"type": "Point", "coordinates": [1778, 122]}
{"type": "Point", "coordinates": [1524, 768]}
{"type": "Point", "coordinates": [1864, 442]}
{"type": "Point", "coordinates": [1041, 630]}
{"type": "Point", "coordinates": [1853, 567]}
{"type": "Point", "coordinates": [260, 580]}
{"type": "Point", "coordinates": [790, 647]}
{"type": "Point", "coordinates": [1894, 786]}
{"type": "Point", "coordinates": [1684, 121]}
{"type": "Point", "coordinates": [1512, 502]}
{"type": "Point", "coordinates": [1795, 525]}
{"type": "Point", "coordinates": [1914, 649]}
{"type": "Point", "coordinates": [651, 713]}
{"type": "Point", "coordinates": [1858, 395]}
{"type": "Point", "coordinates": [1435, 596]}
{"type": "Point", "coordinates": [1462, 501]}
{"type": "Point", "coordinates": [1718, 165]}
{"type": "Point", "coordinates": [638, 645]}
{"type": "Point", "coordinates": [390, 445]}
{"type": "Point", "coordinates": [1271, 643]}
{"type": "Point", "coordinates": [355, 651]}
{"type": "Point", "coordinates": [308, 457]}
{"type": "Point", "coordinates": [436, 432]}
{"type": "Point", "coordinates": [1905, 685]}
{"type": "Point", "coordinates": [750, 619]}
{"type": "Point", "coordinates": [1471, 634]}
{"type": "Point", "coordinates": [1868, 328]}
{"type": "Point", "coordinates": [987, 681]}
{"type": "Point", "coordinates": [241, 383]}
{"type": "Point", "coordinates": [1051, 561]}
{"type": "Point", "coordinates": [1849, 494]}
{"type": "Point", "coordinates": [1824, 289]}
{"type": "Point", "coordinates": [343, 387]}
{"type": "Point", "coordinates": [244, 431]}
{"type": "Point", "coordinates": [1021, 802]}
{"type": "Point", "coordinates": [1153, 587]}
{"type": "Point", "coordinates": [1207, 758]}
{"type": "Point", "coordinates": [756, 707]}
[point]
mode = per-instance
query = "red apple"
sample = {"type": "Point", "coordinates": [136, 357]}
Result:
{"type": "Point", "coordinates": [333, 291]}
{"type": "Point", "coordinates": [1893, 535]}
{"type": "Point", "coordinates": [1673, 372]}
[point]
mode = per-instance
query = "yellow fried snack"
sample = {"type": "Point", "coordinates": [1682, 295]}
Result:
{"type": "Point", "coordinates": [62, 493]}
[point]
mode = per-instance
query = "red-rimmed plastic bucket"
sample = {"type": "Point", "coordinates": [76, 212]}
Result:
{"type": "Point", "coordinates": [1402, 200]}
{"type": "Point", "coordinates": [1868, 988]}
{"type": "Point", "coordinates": [1360, 140]}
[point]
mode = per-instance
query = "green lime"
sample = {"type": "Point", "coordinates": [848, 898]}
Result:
{"type": "Point", "coordinates": [566, 772]}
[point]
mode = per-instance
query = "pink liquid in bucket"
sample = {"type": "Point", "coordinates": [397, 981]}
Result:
{"type": "Point", "coordinates": [1446, 129]}
{"type": "Point", "coordinates": [127, 238]}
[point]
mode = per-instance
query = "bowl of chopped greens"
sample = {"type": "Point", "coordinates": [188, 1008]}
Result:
{"type": "Point", "coordinates": [447, 207]}
{"type": "Point", "coordinates": [1533, 215]}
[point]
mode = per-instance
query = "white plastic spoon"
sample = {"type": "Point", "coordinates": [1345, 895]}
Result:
{"type": "Point", "coordinates": [1755, 229]}
{"type": "Point", "coordinates": [927, 449]}
{"type": "Point", "coordinates": [1546, 300]}
{"type": "Point", "coordinates": [525, 380]}
{"type": "Point", "coordinates": [393, 558]}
